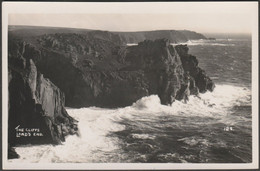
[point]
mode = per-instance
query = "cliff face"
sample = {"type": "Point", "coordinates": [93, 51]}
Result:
{"type": "Point", "coordinates": [36, 106]}
{"type": "Point", "coordinates": [190, 65]}
{"type": "Point", "coordinates": [93, 71]}
{"type": "Point", "coordinates": [170, 72]}
{"type": "Point", "coordinates": [93, 68]}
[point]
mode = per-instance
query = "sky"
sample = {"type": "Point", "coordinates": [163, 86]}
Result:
{"type": "Point", "coordinates": [200, 17]}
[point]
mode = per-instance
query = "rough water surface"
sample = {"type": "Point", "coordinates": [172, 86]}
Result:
{"type": "Point", "coordinates": [215, 127]}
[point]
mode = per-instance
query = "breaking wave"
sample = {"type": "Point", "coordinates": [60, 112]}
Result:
{"type": "Point", "coordinates": [106, 135]}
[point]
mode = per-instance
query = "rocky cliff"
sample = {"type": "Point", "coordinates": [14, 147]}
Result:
{"type": "Point", "coordinates": [170, 72]}
{"type": "Point", "coordinates": [94, 71]}
{"type": "Point", "coordinates": [36, 106]}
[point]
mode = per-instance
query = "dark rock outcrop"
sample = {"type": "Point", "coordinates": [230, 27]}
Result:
{"type": "Point", "coordinates": [93, 71]}
{"type": "Point", "coordinates": [12, 153]}
{"type": "Point", "coordinates": [190, 65]}
{"type": "Point", "coordinates": [92, 68]}
{"type": "Point", "coordinates": [36, 106]}
{"type": "Point", "coordinates": [171, 73]}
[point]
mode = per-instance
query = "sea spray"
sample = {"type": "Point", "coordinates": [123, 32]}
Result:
{"type": "Point", "coordinates": [145, 128]}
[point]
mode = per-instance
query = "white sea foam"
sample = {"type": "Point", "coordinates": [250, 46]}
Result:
{"type": "Point", "coordinates": [192, 141]}
{"type": "Point", "coordinates": [143, 136]}
{"type": "Point", "coordinates": [205, 43]}
{"type": "Point", "coordinates": [96, 124]}
{"type": "Point", "coordinates": [131, 44]}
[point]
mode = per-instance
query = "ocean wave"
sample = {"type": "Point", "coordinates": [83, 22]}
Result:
{"type": "Point", "coordinates": [192, 141]}
{"type": "Point", "coordinates": [210, 104]}
{"type": "Point", "coordinates": [97, 124]}
{"type": "Point", "coordinates": [143, 136]}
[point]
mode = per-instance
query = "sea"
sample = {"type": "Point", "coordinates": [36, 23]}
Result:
{"type": "Point", "coordinates": [215, 127]}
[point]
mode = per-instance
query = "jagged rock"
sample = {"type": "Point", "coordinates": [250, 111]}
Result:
{"type": "Point", "coordinates": [92, 68]}
{"type": "Point", "coordinates": [190, 65]}
{"type": "Point", "coordinates": [120, 75]}
{"type": "Point", "coordinates": [167, 70]}
{"type": "Point", "coordinates": [12, 153]}
{"type": "Point", "coordinates": [34, 102]}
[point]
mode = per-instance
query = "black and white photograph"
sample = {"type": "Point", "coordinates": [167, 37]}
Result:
{"type": "Point", "coordinates": [135, 85]}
